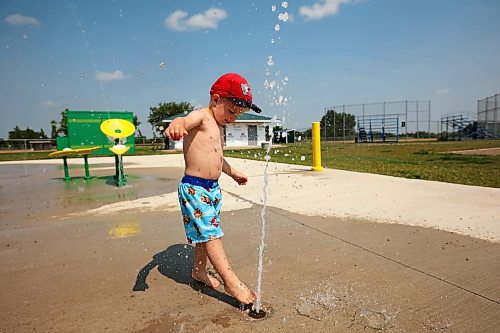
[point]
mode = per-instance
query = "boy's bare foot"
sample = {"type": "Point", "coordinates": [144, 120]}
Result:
{"type": "Point", "coordinates": [241, 293]}
{"type": "Point", "coordinates": [204, 277]}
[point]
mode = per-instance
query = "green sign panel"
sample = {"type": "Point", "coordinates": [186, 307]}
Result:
{"type": "Point", "coordinates": [84, 131]}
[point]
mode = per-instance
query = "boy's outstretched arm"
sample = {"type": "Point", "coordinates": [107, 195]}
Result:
{"type": "Point", "coordinates": [179, 127]}
{"type": "Point", "coordinates": [238, 176]}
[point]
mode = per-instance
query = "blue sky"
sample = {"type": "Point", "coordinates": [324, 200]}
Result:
{"type": "Point", "coordinates": [131, 55]}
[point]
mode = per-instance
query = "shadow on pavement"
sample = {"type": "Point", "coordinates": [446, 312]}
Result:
{"type": "Point", "coordinates": [176, 263]}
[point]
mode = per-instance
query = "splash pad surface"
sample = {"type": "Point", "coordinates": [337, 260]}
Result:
{"type": "Point", "coordinates": [322, 273]}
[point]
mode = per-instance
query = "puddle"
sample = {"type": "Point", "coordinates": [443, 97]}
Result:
{"type": "Point", "coordinates": [373, 319]}
{"type": "Point", "coordinates": [339, 304]}
{"type": "Point", "coordinates": [124, 230]}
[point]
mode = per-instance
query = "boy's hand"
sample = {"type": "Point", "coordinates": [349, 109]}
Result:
{"type": "Point", "coordinates": [176, 131]}
{"type": "Point", "coordinates": [240, 178]}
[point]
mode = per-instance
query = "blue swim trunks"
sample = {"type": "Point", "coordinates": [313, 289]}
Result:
{"type": "Point", "coordinates": [200, 201]}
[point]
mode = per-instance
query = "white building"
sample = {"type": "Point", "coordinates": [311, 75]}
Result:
{"type": "Point", "coordinates": [249, 130]}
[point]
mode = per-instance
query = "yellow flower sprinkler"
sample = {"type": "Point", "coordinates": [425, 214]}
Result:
{"type": "Point", "coordinates": [117, 130]}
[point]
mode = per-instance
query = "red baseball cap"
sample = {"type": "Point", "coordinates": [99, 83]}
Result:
{"type": "Point", "coordinates": [235, 88]}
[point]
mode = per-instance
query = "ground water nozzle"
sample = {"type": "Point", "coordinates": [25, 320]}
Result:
{"type": "Point", "coordinates": [251, 311]}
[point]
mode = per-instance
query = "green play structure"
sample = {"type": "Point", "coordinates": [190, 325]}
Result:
{"type": "Point", "coordinates": [86, 137]}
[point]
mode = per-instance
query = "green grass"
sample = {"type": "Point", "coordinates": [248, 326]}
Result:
{"type": "Point", "coordinates": [23, 156]}
{"type": "Point", "coordinates": [419, 160]}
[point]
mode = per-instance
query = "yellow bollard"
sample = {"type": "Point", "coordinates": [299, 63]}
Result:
{"type": "Point", "coordinates": [316, 139]}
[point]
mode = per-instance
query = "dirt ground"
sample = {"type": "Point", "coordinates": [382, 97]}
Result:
{"type": "Point", "coordinates": [483, 151]}
{"type": "Point", "coordinates": [129, 271]}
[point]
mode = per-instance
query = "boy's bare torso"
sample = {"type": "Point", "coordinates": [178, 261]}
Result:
{"type": "Point", "coordinates": [203, 148]}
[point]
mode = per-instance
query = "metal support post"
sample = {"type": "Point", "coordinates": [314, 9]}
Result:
{"type": "Point", "coordinates": [87, 173]}
{"type": "Point", "coordinates": [66, 170]}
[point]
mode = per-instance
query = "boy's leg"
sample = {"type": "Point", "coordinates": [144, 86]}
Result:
{"type": "Point", "coordinates": [199, 267]}
{"type": "Point", "coordinates": [232, 285]}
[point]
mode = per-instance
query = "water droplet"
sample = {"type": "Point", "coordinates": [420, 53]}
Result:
{"type": "Point", "coordinates": [283, 17]}
{"type": "Point", "coordinates": [162, 65]}
{"type": "Point", "coordinates": [273, 8]}
{"type": "Point", "coordinates": [277, 27]}
{"type": "Point", "coordinates": [302, 158]}
{"type": "Point", "coordinates": [270, 60]}
{"type": "Point", "coordinates": [82, 77]}
{"type": "Point", "coordinates": [267, 157]}
{"type": "Point", "coordinates": [284, 4]}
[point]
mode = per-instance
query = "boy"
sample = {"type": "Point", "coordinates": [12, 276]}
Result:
{"type": "Point", "coordinates": [199, 192]}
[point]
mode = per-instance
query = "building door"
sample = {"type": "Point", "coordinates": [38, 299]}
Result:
{"type": "Point", "coordinates": [252, 135]}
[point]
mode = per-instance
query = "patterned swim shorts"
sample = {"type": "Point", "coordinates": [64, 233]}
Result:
{"type": "Point", "coordinates": [200, 201]}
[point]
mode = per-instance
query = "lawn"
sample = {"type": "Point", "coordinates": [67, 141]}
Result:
{"type": "Point", "coordinates": [418, 160]}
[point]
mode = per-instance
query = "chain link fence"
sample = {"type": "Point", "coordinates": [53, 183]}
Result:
{"type": "Point", "coordinates": [27, 144]}
{"type": "Point", "coordinates": [414, 119]}
{"type": "Point", "coordinates": [488, 114]}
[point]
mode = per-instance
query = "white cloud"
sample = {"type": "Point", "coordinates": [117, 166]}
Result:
{"type": "Point", "coordinates": [179, 20]}
{"type": "Point", "coordinates": [323, 9]}
{"type": "Point", "coordinates": [18, 19]}
{"type": "Point", "coordinates": [443, 91]}
{"type": "Point", "coordinates": [49, 103]}
{"type": "Point", "coordinates": [111, 76]}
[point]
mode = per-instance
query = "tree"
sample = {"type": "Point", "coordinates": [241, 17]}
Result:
{"type": "Point", "coordinates": [63, 124]}
{"type": "Point", "coordinates": [165, 110]}
{"type": "Point", "coordinates": [28, 133]}
{"type": "Point", "coordinates": [336, 123]}
{"type": "Point", "coordinates": [16, 133]}
{"type": "Point", "coordinates": [53, 129]}
{"type": "Point", "coordinates": [136, 124]}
